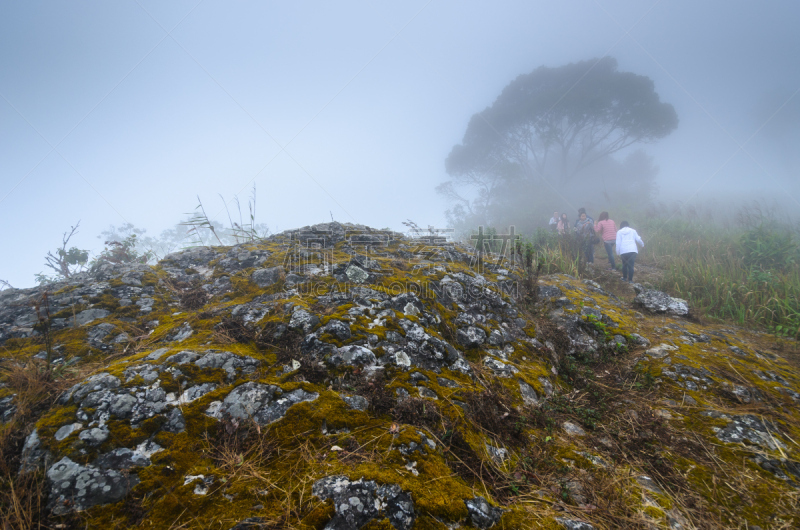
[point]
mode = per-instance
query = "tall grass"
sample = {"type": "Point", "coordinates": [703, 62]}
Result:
{"type": "Point", "coordinates": [748, 274]}
{"type": "Point", "coordinates": [555, 252]}
{"type": "Point", "coordinates": [741, 265]}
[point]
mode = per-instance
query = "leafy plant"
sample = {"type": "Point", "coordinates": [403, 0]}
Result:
{"type": "Point", "coordinates": [117, 252]}
{"type": "Point", "coordinates": [65, 262]}
{"type": "Point", "coordinates": [648, 381]}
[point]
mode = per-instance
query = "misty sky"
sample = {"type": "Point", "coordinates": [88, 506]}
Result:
{"type": "Point", "coordinates": [114, 112]}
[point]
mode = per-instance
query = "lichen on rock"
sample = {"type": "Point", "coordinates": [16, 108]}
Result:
{"type": "Point", "coordinates": [319, 386]}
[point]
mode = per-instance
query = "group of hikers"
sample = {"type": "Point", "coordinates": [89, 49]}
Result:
{"type": "Point", "coordinates": [625, 239]}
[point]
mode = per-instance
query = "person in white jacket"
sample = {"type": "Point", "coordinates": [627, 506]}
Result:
{"type": "Point", "coordinates": [554, 222]}
{"type": "Point", "coordinates": [627, 239]}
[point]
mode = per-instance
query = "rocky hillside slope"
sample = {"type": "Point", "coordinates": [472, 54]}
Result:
{"type": "Point", "coordinates": [341, 377]}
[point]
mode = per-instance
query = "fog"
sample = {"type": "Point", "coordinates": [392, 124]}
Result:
{"type": "Point", "coordinates": [127, 112]}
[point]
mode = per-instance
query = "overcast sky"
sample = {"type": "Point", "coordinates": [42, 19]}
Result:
{"type": "Point", "coordinates": [114, 112]}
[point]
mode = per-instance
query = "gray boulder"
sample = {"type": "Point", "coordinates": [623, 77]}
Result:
{"type": "Point", "coordinates": [529, 395]}
{"type": "Point", "coordinates": [353, 355]}
{"type": "Point", "coordinates": [227, 361]}
{"type": "Point", "coordinates": [251, 312]}
{"type": "Point", "coordinates": [356, 274]}
{"type": "Point", "coordinates": [175, 421]}
{"type": "Point", "coordinates": [496, 338]}
{"type": "Point", "coordinates": [180, 334]}
{"type": "Point", "coordinates": [122, 458]}
{"type": "Point", "coordinates": [7, 408]}
{"type": "Point", "coordinates": [360, 501]}
{"type": "Point", "coordinates": [93, 383]}
{"type": "Point", "coordinates": [239, 258]}
{"type": "Point", "coordinates": [98, 334]}
{"type": "Point", "coordinates": [356, 402]}
{"type": "Point", "coordinates": [302, 319]}
{"type": "Point", "coordinates": [65, 430]}
{"type": "Point", "coordinates": [481, 513]}
{"type": "Point", "coordinates": [295, 279]}
{"type": "Point", "coordinates": [266, 277]}
{"type": "Point", "coordinates": [548, 292]}
{"type": "Point", "coordinates": [572, 524]}
{"type": "Point", "coordinates": [90, 315]}
{"type": "Point", "coordinates": [33, 455]}
{"type": "Point", "coordinates": [751, 429]}
{"type": "Point", "coordinates": [157, 354]}
{"type": "Point", "coordinates": [640, 340]}
{"type": "Point", "coordinates": [76, 487]}
{"type": "Point", "coordinates": [265, 404]}
{"type": "Point", "coordinates": [499, 368]}
{"type": "Point", "coordinates": [658, 302]}
{"type": "Point", "coordinates": [337, 328]}
{"type": "Point", "coordinates": [472, 336]}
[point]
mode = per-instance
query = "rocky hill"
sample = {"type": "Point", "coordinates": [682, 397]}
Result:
{"type": "Point", "coordinates": [341, 377]}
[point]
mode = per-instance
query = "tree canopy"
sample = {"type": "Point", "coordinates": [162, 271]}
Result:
{"type": "Point", "coordinates": [554, 123]}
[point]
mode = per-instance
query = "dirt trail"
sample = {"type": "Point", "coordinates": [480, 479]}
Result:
{"type": "Point", "coordinates": [611, 280]}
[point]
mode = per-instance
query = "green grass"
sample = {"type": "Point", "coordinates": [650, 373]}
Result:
{"type": "Point", "coordinates": [555, 253]}
{"type": "Point", "coordinates": [750, 275]}
{"type": "Point", "coordinates": [745, 269]}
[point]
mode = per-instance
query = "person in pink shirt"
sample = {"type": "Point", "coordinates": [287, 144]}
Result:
{"type": "Point", "coordinates": [607, 229]}
{"type": "Point", "coordinates": [563, 224]}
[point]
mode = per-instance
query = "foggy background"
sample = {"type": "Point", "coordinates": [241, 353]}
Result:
{"type": "Point", "coordinates": [125, 112]}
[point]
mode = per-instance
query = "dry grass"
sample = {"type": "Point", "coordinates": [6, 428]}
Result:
{"type": "Point", "coordinates": [191, 296]}
{"type": "Point", "coordinates": [22, 501]}
{"type": "Point", "coordinates": [231, 331]}
{"type": "Point", "coordinates": [22, 497]}
{"type": "Point", "coordinates": [241, 451]}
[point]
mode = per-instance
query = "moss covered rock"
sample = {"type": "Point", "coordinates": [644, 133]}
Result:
{"type": "Point", "coordinates": [338, 376]}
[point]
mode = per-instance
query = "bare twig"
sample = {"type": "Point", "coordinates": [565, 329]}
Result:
{"type": "Point", "coordinates": [61, 261]}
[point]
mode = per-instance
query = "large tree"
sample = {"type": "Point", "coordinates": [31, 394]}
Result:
{"type": "Point", "coordinates": [553, 124]}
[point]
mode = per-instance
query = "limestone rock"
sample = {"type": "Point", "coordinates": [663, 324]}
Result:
{"type": "Point", "coordinates": [481, 513]}
{"type": "Point", "coordinates": [373, 406]}
{"type": "Point", "coordinates": [572, 524]}
{"type": "Point", "coordinates": [529, 395]}
{"type": "Point", "coordinates": [341, 330]}
{"type": "Point", "coordinates": [231, 363]}
{"type": "Point", "coordinates": [302, 319]}
{"type": "Point", "coordinates": [74, 487]}
{"type": "Point", "coordinates": [121, 459]}
{"type": "Point", "coordinates": [353, 355]}
{"type": "Point", "coordinates": [358, 502]}
{"type": "Point", "coordinates": [356, 402]}
{"type": "Point", "coordinates": [266, 277]}
{"type": "Point", "coordinates": [65, 430]}
{"type": "Point", "coordinates": [472, 336]}
{"type": "Point", "coordinates": [90, 315]}
{"type": "Point", "coordinates": [98, 334]}
{"type": "Point", "coordinates": [573, 429]}
{"type": "Point", "coordinates": [180, 334]}
{"type": "Point", "coordinates": [265, 404]}
{"type": "Point", "coordinates": [7, 408]}
{"type": "Point", "coordinates": [33, 455]}
{"type": "Point", "coordinates": [659, 302]}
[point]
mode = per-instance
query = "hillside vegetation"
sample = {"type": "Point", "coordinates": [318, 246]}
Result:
{"type": "Point", "coordinates": [342, 377]}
